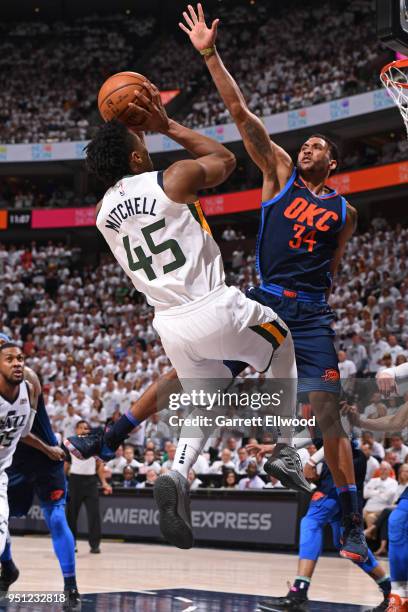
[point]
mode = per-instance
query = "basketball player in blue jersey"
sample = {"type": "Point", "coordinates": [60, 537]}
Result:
{"type": "Point", "coordinates": [324, 509]}
{"type": "Point", "coordinates": [304, 229]}
{"type": "Point", "coordinates": [39, 468]}
{"type": "Point", "coordinates": [393, 380]}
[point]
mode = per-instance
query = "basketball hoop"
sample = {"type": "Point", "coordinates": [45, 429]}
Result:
{"type": "Point", "coordinates": [394, 77]}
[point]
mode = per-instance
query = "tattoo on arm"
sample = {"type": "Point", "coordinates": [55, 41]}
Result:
{"type": "Point", "coordinates": [257, 136]}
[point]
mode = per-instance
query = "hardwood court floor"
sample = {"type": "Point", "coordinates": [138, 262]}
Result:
{"type": "Point", "coordinates": [133, 567]}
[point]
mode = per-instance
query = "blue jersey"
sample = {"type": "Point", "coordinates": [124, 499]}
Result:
{"type": "Point", "coordinates": [43, 430]}
{"type": "Point", "coordinates": [298, 237]}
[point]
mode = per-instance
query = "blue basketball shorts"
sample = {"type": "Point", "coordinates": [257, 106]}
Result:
{"type": "Point", "coordinates": [311, 326]}
{"type": "Point", "coordinates": [47, 481]}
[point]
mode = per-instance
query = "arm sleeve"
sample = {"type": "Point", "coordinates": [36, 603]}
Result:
{"type": "Point", "coordinates": [318, 456]}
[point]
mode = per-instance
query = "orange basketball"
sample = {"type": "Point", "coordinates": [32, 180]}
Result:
{"type": "Point", "coordinates": [116, 93]}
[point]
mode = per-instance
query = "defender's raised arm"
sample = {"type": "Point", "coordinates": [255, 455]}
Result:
{"type": "Point", "coordinates": [275, 164]}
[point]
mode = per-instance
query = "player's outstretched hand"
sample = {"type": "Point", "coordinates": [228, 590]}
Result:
{"type": "Point", "coordinates": [144, 114]}
{"type": "Point", "coordinates": [56, 453]}
{"type": "Point", "coordinates": [201, 36]}
{"type": "Point", "coordinates": [107, 489]}
{"type": "Point", "coordinates": [386, 383]}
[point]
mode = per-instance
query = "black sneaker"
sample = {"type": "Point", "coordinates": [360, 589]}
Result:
{"type": "Point", "coordinates": [172, 496]}
{"type": "Point", "coordinates": [288, 603]}
{"type": "Point", "coordinates": [354, 546]}
{"type": "Point", "coordinates": [7, 578]}
{"type": "Point", "coordinates": [95, 550]}
{"type": "Point", "coordinates": [91, 445]}
{"type": "Point", "coordinates": [72, 601]}
{"type": "Point", "coordinates": [286, 466]}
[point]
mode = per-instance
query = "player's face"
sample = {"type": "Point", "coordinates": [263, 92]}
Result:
{"type": "Point", "coordinates": [12, 365]}
{"type": "Point", "coordinates": [314, 158]}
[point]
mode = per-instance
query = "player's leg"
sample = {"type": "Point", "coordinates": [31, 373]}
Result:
{"type": "Point", "coordinates": [20, 497]}
{"type": "Point", "coordinates": [339, 457]}
{"type": "Point", "coordinates": [398, 555]}
{"type": "Point", "coordinates": [260, 338]}
{"type": "Point", "coordinates": [370, 567]}
{"type": "Point", "coordinates": [91, 501]}
{"type": "Point", "coordinates": [4, 512]}
{"type": "Point", "coordinates": [285, 464]}
{"type": "Point", "coordinates": [104, 445]}
{"type": "Point", "coordinates": [171, 490]}
{"type": "Point", "coordinates": [310, 546]}
{"type": "Point", "coordinates": [76, 496]}
{"type": "Point", "coordinates": [50, 487]}
{"type": "Point", "coordinates": [319, 377]}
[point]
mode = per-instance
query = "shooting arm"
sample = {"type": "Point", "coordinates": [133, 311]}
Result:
{"type": "Point", "coordinates": [212, 166]}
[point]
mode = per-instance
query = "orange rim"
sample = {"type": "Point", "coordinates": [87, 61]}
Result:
{"type": "Point", "coordinates": [402, 63]}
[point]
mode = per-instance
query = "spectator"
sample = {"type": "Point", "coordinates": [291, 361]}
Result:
{"type": "Point", "coordinates": [195, 482]}
{"type": "Point", "coordinates": [372, 464]}
{"type": "Point", "coordinates": [253, 481]}
{"type": "Point", "coordinates": [230, 480]}
{"type": "Point", "coordinates": [151, 477]}
{"type": "Point", "coordinates": [117, 465]}
{"type": "Point", "coordinates": [398, 448]}
{"type": "Point", "coordinates": [225, 463]}
{"type": "Point", "coordinates": [129, 479]}
{"type": "Point", "coordinates": [379, 493]}
{"type": "Point", "coordinates": [149, 463]}
{"type": "Point", "coordinates": [347, 372]}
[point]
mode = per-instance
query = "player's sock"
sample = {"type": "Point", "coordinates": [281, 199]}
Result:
{"type": "Point", "coordinates": [348, 499]}
{"type": "Point", "coordinates": [384, 584]}
{"type": "Point", "coordinates": [63, 542]}
{"type": "Point", "coordinates": [300, 587]}
{"type": "Point", "coordinates": [120, 430]}
{"type": "Point", "coordinates": [188, 450]}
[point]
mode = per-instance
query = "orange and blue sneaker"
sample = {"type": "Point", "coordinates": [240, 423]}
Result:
{"type": "Point", "coordinates": [354, 546]}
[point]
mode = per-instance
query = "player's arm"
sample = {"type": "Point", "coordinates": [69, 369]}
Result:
{"type": "Point", "coordinates": [390, 423]}
{"type": "Point", "coordinates": [274, 163]}
{"type": "Point", "coordinates": [100, 467]}
{"type": "Point", "coordinates": [56, 453]}
{"type": "Point", "coordinates": [344, 236]}
{"type": "Point", "coordinates": [213, 164]}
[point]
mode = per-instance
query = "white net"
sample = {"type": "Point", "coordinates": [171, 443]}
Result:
{"type": "Point", "coordinates": [394, 77]}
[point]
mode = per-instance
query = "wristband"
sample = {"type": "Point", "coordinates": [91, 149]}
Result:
{"type": "Point", "coordinates": [207, 52]}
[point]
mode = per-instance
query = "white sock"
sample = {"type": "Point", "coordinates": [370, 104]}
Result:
{"type": "Point", "coordinates": [191, 443]}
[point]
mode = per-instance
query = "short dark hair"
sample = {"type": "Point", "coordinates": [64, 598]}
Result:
{"type": "Point", "coordinates": [333, 148]}
{"type": "Point", "coordinates": [7, 345]}
{"type": "Point", "coordinates": [108, 153]}
{"type": "Point", "coordinates": [80, 423]}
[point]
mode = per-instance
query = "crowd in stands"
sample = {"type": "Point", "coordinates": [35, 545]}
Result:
{"type": "Point", "coordinates": [89, 335]}
{"type": "Point", "coordinates": [22, 193]}
{"type": "Point", "coordinates": [279, 65]}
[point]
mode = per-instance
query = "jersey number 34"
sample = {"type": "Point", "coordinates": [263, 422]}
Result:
{"type": "Point", "coordinates": [143, 261]}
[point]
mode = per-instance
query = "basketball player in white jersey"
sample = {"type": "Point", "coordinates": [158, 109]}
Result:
{"type": "Point", "coordinates": [18, 399]}
{"type": "Point", "coordinates": [154, 226]}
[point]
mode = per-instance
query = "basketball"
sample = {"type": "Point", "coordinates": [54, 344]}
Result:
{"type": "Point", "coordinates": [116, 93]}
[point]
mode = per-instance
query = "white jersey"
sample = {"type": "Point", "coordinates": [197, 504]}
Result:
{"type": "Point", "coordinates": [14, 423]}
{"type": "Point", "coordinates": [165, 248]}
